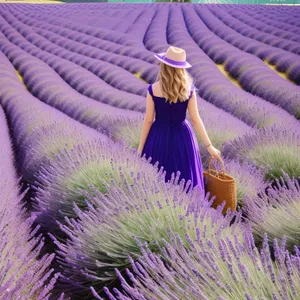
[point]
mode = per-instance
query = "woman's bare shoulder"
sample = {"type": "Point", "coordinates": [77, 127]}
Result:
{"type": "Point", "coordinates": [156, 89]}
{"type": "Point", "coordinates": [156, 84]}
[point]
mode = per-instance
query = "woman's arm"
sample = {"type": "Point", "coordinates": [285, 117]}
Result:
{"type": "Point", "coordinates": [199, 126]}
{"type": "Point", "coordinates": [148, 120]}
{"type": "Point", "coordinates": [196, 120]}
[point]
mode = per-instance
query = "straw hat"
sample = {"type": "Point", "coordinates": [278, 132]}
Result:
{"type": "Point", "coordinates": [174, 57]}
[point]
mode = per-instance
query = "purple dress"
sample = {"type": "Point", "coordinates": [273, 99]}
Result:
{"type": "Point", "coordinates": [172, 141]}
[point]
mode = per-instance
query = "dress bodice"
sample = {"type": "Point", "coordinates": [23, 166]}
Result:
{"type": "Point", "coordinates": [169, 112]}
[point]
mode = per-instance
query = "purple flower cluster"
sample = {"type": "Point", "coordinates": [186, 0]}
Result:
{"type": "Point", "coordinates": [213, 86]}
{"type": "Point", "coordinates": [39, 130]}
{"type": "Point", "coordinates": [22, 274]}
{"type": "Point", "coordinates": [277, 213]}
{"type": "Point", "coordinates": [103, 236]}
{"type": "Point", "coordinates": [228, 267]}
{"type": "Point", "coordinates": [256, 117]}
{"type": "Point", "coordinates": [270, 149]}
{"type": "Point", "coordinates": [44, 83]}
{"type": "Point", "coordinates": [90, 163]}
{"type": "Point", "coordinates": [251, 72]}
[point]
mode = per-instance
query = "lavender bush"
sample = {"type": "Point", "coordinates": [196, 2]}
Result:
{"type": "Point", "coordinates": [37, 137]}
{"type": "Point", "coordinates": [270, 86]}
{"type": "Point", "coordinates": [93, 163]}
{"type": "Point", "coordinates": [270, 149]}
{"type": "Point", "coordinates": [123, 128]}
{"type": "Point", "coordinates": [103, 236]}
{"type": "Point", "coordinates": [227, 268]}
{"type": "Point", "coordinates": [277, 212]}
{"type": "Point", "coordinates": [212, 84]}
{"type": "Point", "coordinates": [23, 274]}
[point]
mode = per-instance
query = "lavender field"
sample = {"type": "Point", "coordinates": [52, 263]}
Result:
{"type": "Point", "coordinates": [82, 216]}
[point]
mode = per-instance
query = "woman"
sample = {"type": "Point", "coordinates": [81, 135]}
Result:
{"type": "Point", "coordinates": [170, 139]}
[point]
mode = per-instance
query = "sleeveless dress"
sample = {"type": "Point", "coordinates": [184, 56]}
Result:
{"type": "Point", "coordinates": [172, 142]}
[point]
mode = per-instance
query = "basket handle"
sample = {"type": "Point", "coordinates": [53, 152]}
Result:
{"type": "Point", "coordinates": [209, 165]}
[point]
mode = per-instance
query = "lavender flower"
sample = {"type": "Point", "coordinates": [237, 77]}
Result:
{"type": "Point", "coordinates": [104, 235]}
{"type": "Point", "coordinates": [276, 213]}
{"type": "Point", "coordinates": [94, 163]}
{"type": "Point", "coordinates": [183, 273]}
{"type": "Point", "coordinates": [270, 149]}
{"type": "Point", "coordinates": [23, 274]}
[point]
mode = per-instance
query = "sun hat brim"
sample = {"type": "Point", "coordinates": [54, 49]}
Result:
{"type": "Point", "coordinates": [161, 57]}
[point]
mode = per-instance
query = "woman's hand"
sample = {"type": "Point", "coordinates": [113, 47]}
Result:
{"type": "Point", "coordinates": [139, 151]}
{"type": "Point", "coordinates": [215, 153]}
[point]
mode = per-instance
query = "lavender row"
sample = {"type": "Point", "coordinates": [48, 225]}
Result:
{"type": "Point", "coordinates": [104, 235]}
{"type": "Point", "coordinates": [254, 33]}
{"type": "Point", "coordinates": [229, 268]}
{"type": "Point", "coordinates": [260, 49]}
{"type": "Point", "coordinates": [155, 37]}
{"type": "Point", "coordinates": [63, 28]}
{"type": "Point", "coordinates": [117, 39]}
{"type": "Point", "coordinates": [140, 25]}
{"type": "Point", "coordinates": [270, 149]}
{"type": "Point", "coordinates": [287, 18]}
{"type": "Point", "coordinates": [277, 213]}
{"type": "Point", "coordinates": [27, 114]}
{"type": "Point", "coordinates": [79, 78]}
{"type": "Point", "coordinates": [124, 125]}
{"type": "Point", "coordinates": [283, 27]}
{"type": "Point", "coordinates": [276, 15]}
{"type": "Point", "coordinates": [73, 41]}
{"type": "Point", "coordinates": [45, 84]}
{"type": "Point", "coordinates": [97, 32]}
{"type": "Point", "coordinates": [282, 39]}
{"type": "Point", "coordinates": [22, 274]}
{"type": "Point", "coordinates": [266, 16]}
{"type": "Point", "coordinates": [216, 88]}
{"type": "Point", "coordinates": [251, 72]}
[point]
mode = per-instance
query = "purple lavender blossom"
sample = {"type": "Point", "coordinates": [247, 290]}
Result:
{"type": "Point", "coordinates": [23, 274]}
{"type": "Point", "coordinates": [182, 273]}
{"type": "Point", "coordinates": [276, 213]}
{"type": "Point", "coordinates": [102, 237]}
{"type": "Point", "coordinates": [270, 149]}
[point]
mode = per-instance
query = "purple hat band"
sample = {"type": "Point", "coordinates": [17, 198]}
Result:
{"type": "Point", "coordinates": [174, 63]}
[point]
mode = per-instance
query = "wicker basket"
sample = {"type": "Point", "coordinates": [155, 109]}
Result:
{"type": "Point", "coordinates": [222, 186]}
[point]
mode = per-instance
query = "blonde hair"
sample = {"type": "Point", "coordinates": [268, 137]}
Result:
{"type": "Point", "coordinates": [175, 83]}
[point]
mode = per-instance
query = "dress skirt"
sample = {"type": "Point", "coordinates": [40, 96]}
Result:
{"type": "Point", "coordinates": [174, 146]}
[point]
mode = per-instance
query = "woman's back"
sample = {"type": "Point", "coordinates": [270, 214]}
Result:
{"type": "Point", "coordinates": [169, 112]}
